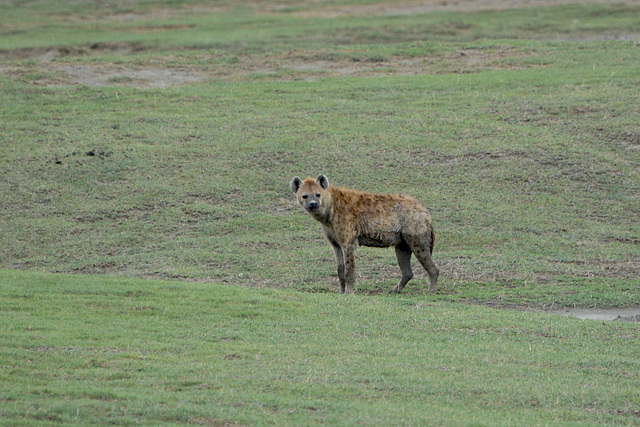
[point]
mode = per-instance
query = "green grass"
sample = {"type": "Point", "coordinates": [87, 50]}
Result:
{"type": "Point", "coordinates": [518, 129]}
{"type": "Point", "coordinates": [251, 27]}
{"type": "Point", "coordinates": [94, 350]}
{"type": "Point", "coordinates": [530, 174]}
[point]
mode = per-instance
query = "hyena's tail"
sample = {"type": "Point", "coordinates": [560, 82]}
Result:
{"type": "Point", "coordinates": [433, 239]}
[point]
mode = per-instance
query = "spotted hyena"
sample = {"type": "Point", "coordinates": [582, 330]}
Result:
{"type": "Point", "coordinates": [350, 218]}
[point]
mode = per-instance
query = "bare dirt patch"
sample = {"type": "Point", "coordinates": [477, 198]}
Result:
{"type": "Point", "coordinates": [106, 75]}
{"type": "Point", "coordinates": [51, 53]}
{"type": "Point", "coordinates": [295, 65]}
{"type": "Point", "coordinates": [631, 140]}
{"type": "Point", "coordinates": [409, 7]}
{"type": "Point", "coordinates": [628, 269]}
{"type": "Point", "coordinates": [52, 73]}
{"type": "Point", "coordinates": [103, 75]}
{"type": "Point", "coordinates": [311, 65]}
{"type": "Point", "coordinates": [624, 314]}
{"type": "Point", "coordinates": [619, 314]}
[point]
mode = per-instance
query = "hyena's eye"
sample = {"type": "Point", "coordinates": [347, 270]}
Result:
{"type": "Point", "coordinates": [317, 194]}
{"type": "Point", "coordinates": [304, 196]}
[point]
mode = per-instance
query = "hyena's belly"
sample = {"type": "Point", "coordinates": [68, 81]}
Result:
{"type": "Point", "coordinates": [379, 240]}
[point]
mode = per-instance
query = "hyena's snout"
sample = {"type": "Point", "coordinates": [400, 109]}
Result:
{"type": "Point", "coordinates": [313, 206]}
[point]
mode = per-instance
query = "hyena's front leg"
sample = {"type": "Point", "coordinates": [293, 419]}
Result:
{"type": "Point", "coordinates": [349, 252]}
{"type": "Point", "coordinates": [340, 258]}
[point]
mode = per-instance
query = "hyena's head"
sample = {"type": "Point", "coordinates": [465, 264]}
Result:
{"type": "Point", "coordinates": [311, 193]}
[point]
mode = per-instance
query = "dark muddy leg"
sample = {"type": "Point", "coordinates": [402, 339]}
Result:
{"type": "Point", "coordinates": [340, 259]}
{"type": "Point", "coordinates": [403, 253]}
{"type": "Point", "coordinates": [421, 248]}
{"type": "Point", "coordinates": [349, 268]}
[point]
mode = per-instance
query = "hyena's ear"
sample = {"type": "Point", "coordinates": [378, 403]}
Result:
{"type": "Point", "coordinates": [295, 184]}
{"type": "Point", "coordinates": [322, 181]}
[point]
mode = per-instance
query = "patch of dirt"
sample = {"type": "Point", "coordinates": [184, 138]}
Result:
{"type": "Point", "coordinates": [215, 422]}
{"type": "Point", "coordinates": [51, 53]}
{"type": "Point", "coordinates": [283, 206]}
{"type": "Point", "coordinates": [156, 28]}
{"type": "Point", "coordinates": [411, 7]}
{"type": "Point", "coordinates": [290, 66]}
{"type": "Point", "coordinates": [619, 314]}
{"type": "Point", "coordinates": [624, 314]}
{"type": "Point", "coordinates": [311, 67]}
{"type": "Point", "coordinates": [53, 73]}
{"type": "Point", "coordinates": [628, 269]}
{"type": "Point", "coordinates": [108, 74]}
{"type": "Point", "coordinates": [631, 140]}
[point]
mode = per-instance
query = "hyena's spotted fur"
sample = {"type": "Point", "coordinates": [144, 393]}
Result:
{"type": "Point", "coordinates": [350, 218]}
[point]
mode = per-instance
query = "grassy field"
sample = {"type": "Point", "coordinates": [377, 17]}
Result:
{"type": "Point", "coordinates": [95, 350]}
{"type": "Point", "coordinates": [156, 140]}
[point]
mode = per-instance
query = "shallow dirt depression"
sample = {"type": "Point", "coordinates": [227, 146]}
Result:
{"type": "Point", "coordinates": [627, 314]}
{"type": "Point", "coordinates": [106, 75]}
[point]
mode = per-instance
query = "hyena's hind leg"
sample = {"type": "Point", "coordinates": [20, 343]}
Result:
{"type": "Point", "coordinates": [403, 253]}
{"type": "Point", "coordinates": [421, 246]}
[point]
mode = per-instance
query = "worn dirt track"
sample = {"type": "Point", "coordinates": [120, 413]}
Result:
{"type": "Point", "coordinates": [422, 6]}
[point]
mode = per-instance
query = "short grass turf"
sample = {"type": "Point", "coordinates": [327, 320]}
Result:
{"type": "Point", "coordinates": [94, 350]}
